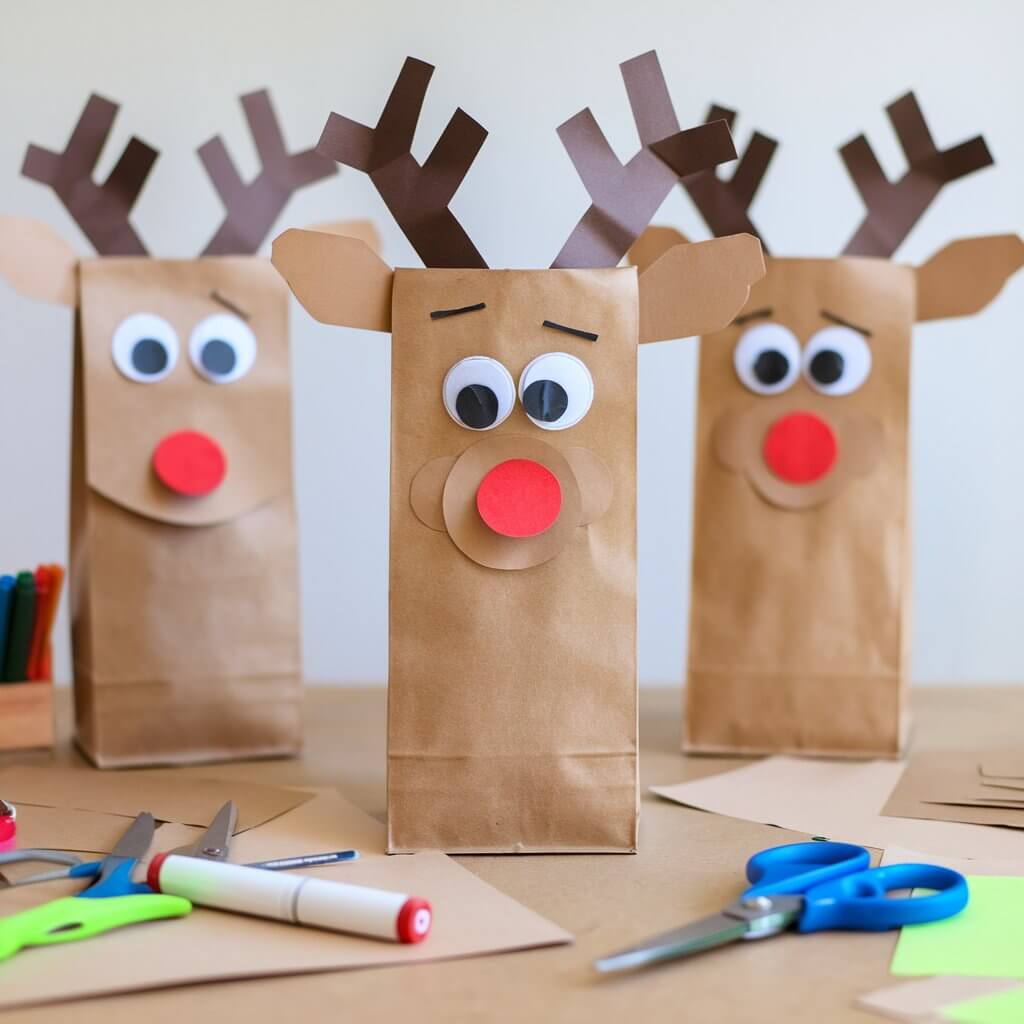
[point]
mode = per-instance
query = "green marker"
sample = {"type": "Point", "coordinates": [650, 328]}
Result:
{"type": "Point", "coordinates": [19, 638]}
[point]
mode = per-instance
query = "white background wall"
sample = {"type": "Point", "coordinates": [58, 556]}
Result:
{"type": "Point", "coordinates": [811, 74]}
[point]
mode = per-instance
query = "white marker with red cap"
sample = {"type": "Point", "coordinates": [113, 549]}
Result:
{"type": "Point", "coordinates": [336, 906]}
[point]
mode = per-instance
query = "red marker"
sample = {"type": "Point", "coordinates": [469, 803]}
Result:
{"type": "Point", "coordinates": [336, 906]}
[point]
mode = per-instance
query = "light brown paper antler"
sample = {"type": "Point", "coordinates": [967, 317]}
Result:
{"type": "Point", "coordinates": [252, 209]}
{"type": "Point", "coordinates": [417, 196]}
{"type": "Point", "coordinates": [725, 203]}
{"type": "Point", "coordinates": [894, 207]}
{"type": "Point", "coordinates": [101, 211]}
{"type": "Point", "coordinates": [626, 196]}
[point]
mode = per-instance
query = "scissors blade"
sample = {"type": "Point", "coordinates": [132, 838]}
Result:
{"type": "Point", "coordinates": [214, 842]}
{"type": "Point", "coordinates": [709, 932]}
{"type": "Point", "coordinates": [135, 842]}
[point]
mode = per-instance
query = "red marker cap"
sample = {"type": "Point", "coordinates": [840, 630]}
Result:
{"type": "Point", "coordinates": [414, 920]}
{"type": "Point", "coordinates": [153, 871]}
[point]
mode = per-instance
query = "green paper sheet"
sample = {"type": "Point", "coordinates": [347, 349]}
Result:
{"type": "Point", "coordinates": [985, 940]}
{"type": "Point", "coordinates": [1001, 1008]}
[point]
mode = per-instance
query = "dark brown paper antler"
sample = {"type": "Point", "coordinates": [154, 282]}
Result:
{"type": "Point", "coordinates": [252, 209]}
{"type": "Point", "coordinates": [894, 207]}
{"type": "Point", "coordinates": [101, 211]}
{"type": "Point", "coordinates": [626, 197]}
{"type": "Point", "coordinates": [724, 203]}
{"type": "Point", "coordinates": [417, 196]}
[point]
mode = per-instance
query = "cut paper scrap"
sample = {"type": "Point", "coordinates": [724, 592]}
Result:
{"type": "Point", "coordinates": [923, 1000]}
{"type": "Point", "coordinates": [60, 828]}
{"type": "Point", "coordinates": [985, 940]}
{"type": "Point", "coordinates": [472, 919]}
{"type": "Point", "coordinates": [166, 794]}
{"type": "Point", "coordinates": [940, 785]}
{"type": "Point", "coordinates": [840, 800]}
{"type": "Point", "coordinates": [1006, 1007]}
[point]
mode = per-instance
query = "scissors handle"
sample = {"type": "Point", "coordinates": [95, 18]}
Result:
{"type": "Point", "coordinates": [792, 869]}
{"type": "Point", "coordinates": [71, 918]}
{"type": "Point", "coordinates": [118, 882]}
{"type": "Point", "coordinates": [861, 902]}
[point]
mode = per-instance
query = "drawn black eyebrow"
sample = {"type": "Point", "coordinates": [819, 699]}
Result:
{"type": "Point", "coordinates": [440, 314]}
{"type": "Point", "coordinates": [756, 314]}
{"type": "Point", "coordinates": [844, 323]}
{"type": "Point", "coordinates": [589, 335]}
{"type": "Point", "coordinates": [228, 304]}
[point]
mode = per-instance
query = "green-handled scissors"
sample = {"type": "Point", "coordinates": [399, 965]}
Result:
{"type": "Point", "coordinates": [110, 901]}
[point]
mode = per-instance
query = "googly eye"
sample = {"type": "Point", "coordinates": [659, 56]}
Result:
{"type": "Point", "coordinates": [478, 393]}
{"type": "Point", "coordinates": [145, 348]}
{"type": "Point", "coordinates": [222, 348]}
{"type": "Point", "coordinates": [767, 359]}
{"type": "Point", "coordinates": [837, 360]}
{"type": "Point", "coordinates": [556, 390]}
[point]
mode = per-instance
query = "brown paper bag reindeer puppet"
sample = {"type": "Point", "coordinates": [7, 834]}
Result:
{"type": "Point", "coordinates": [799, 624]}
{"type": "Point", "coordinates": [512, 697]}
{"type": "Point", "coordinates": [184, 585]}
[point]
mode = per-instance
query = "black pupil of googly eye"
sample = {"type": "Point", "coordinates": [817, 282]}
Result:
{"type": "Point", "coordinates": [771, 366]}
{"type": "Point", "coordinates": [149, 356]}
{"type": "Point", "coordinates": [477, 406]}
{"type": "Point", "coordinates": [218, 357]}
{"type": "Point", "coordinates": [827, 366]}
{"type": "Point", "coordinates": [545, 400]}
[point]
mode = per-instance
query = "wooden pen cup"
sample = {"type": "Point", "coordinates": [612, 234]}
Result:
{"type": "Point", "coordinates": [26, 715]}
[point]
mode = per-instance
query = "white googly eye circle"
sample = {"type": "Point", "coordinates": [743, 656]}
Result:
{"type": "Point", "coordinates": [837, 360]}
{"type": "Point", "coordinates": [556, 390]}
{"type": "Point", "coordinates": [145, 348]}
{"type": "Point", "coordinates": [767, 359]}
{"type": "Point", "coordinates": [478, 393]}
{"type": "Point", "coordinates": [222, 348]}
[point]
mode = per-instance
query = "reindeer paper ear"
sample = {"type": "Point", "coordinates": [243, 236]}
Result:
{"type": "Point", "coordinates": [38, 263]}
{"type": "Point", "coordinates": [652, 245]}
{"type": "Point", "coordinates": [698, 288]}
{"type": "Point", "coordinates": [966, 275]}
{"type": "Point", "coordinates": [339, 280]}
{"type": "Point", "coordinates": [252, 209]}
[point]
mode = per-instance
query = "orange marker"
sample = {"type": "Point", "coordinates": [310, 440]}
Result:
{"type": "Point", "coordinates": [49, 581]}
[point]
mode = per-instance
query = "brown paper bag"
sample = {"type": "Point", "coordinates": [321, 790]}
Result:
{"type": "Point", "coordinates": [512, 722]}
{"type": "Point", "coordinates": [184, 571]}
{"type": "Point", "coordinates": [800, 600]}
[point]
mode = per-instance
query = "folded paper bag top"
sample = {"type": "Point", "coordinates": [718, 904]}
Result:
{"type": "Point", "coordinates": [183, 536]}
{"type": "Point", "coordinates": [512, 700]}
{"type": "Point", "coordinates": [800, 593]}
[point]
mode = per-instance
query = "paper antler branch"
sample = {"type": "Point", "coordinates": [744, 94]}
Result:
{"type": "Point", "coordinates": [894, 207]}
{"type": "Point", "coordinates": [252, 209]}
{"type": "Point", "coordinates": [626, 197]}
{"type": "Point", "coordinates": [725, 203]}
{"type": "Point", "coordinates": [101, 211]}
{"type": "Point", "coordinates": [417, 196]}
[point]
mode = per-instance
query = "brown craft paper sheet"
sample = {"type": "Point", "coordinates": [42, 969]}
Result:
{"type": "Point", "coordinates": [940, 785]}
{"type": "Point", "coordinates": [1009, 868]}
{"type": "Point", "coordinates": [923, 1000]}
{"type": "Point", "coordinates": [1005, 765]}
{"type": "Point", "coordinates": [167, 795]}
{"type": "Point", "coordinates": [64, 828]}
{"type": "Point", "coordinates": [799, 624]}
{"type": "Point", "coordinates": [839, 800]}
{"type": "Point", "coordinates": [471, 919]}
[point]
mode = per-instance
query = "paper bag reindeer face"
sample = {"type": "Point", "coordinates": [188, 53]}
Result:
{"type": "Point", "coordinates": [186, 373]}
{"type": "Point", "coordinates": [526, 381]}
{"type": "Point", "coordinates": [810, 375]}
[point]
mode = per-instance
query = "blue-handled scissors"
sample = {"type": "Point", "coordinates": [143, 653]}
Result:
{"type": "Point", "coordinates": [811, 887]}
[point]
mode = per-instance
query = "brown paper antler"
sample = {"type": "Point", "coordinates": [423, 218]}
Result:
{"type": "Point", "coordinates": [252, 209]}
{"type": "Point", "coordinates": [417, 196]}
{"type": "Point", "coordinates": [626, 197]}
{"type": "Point", "coordinates": [724, 203]}
{"type": "Point", "coordinates": [101, 211]}
{"type": "Point", "coordinates": [894, 207]}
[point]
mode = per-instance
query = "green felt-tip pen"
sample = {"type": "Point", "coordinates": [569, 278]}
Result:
{"type": "Point", "coordinates": [19, 638]}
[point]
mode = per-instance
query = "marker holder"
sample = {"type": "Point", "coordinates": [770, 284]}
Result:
{"type": "Point", "coordinates": [26, 715]}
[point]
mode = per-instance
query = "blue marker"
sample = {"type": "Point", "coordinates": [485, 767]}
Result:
{"type": "Point", "coordinates": [6, 603]}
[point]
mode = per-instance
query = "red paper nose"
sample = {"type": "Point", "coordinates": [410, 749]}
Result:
{"type": "Point", "coordinates": [190, 463]}
{"type": "Point", "coordinates": [519, 498]}
{"type": "Point", "coordinates": [800, 448]}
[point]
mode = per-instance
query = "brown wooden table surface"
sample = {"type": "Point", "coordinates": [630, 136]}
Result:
{"type": "Point", "coordinates": [690, 863]}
